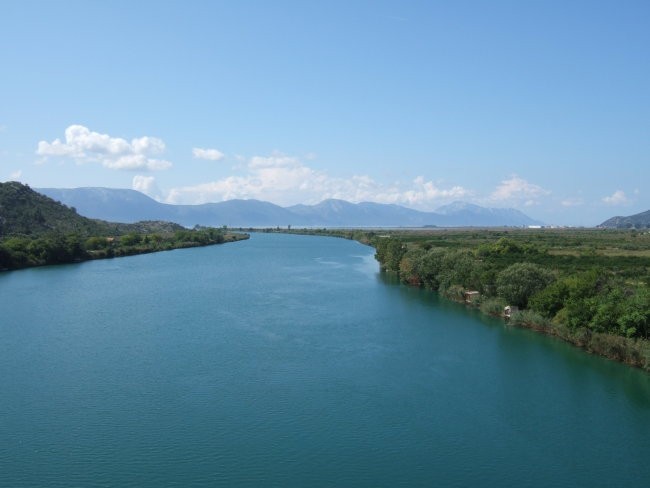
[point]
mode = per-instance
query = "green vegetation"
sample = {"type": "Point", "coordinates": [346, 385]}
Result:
{"type": "Point", "coordinates": [28, 213]}
{"type": "Point", "coordinates": [35, 230]}
{"type": "Point", "coordinates": [586, 286]}
{"type": "Point", "coordinates": [591, 296]}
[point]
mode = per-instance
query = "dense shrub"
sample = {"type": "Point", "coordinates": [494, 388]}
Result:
{"type": "Point", "coordinates": [492, 306]}
{"type": "Point", "coordinates": [581, 297]}
{"type": "Point", "coordinates": [530, 319]}
{"type": "Point", "coordinates": [518, 282]}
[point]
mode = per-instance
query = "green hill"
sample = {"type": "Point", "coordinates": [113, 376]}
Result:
{"type": "Point", "coordinates": [637, 221]}
{"type": "Point", "coordinates": [37, 230]}
{"type": "Point", "coordinates": [25, 212]}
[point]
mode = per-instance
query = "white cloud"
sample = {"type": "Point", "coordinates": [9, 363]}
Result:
{"type": "Point", "coordinates": [85, 146]}
{"type": "Point", "coordinates": [425, 191]}
{"type": "Point", "coordinates": [146, 185]}
{"type": "Point", "coordinates": [572, 202]}
{"type": "Point", "coordinates": [286, 180]}
{"type": "Point", "coordinates": [16, 175]}
{"type": "Point", "coordinates": [616, 198]}
{"type": "Point", "coordinates": [209, 154]}
{"type": "Point", "coordinates": [276, 161]}
{"type": "Point", "coordinates": [516, 190]}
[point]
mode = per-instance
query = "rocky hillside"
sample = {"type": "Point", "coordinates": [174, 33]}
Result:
{"type": "Point", "coordinates": [637, 221]}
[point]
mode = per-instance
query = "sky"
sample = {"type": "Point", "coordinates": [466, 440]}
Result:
{"type": "Point", "coordinates": [542, 106]}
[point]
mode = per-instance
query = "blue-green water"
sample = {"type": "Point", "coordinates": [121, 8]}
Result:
{"type": "Point", "coordinates": [290, 361]}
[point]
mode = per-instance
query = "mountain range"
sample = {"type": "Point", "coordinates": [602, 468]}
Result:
{"type": "Point", "coordinates": [123, 205]}
{"type": "Point", "coordinates": [636, 221]}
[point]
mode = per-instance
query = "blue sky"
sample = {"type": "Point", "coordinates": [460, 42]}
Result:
{"type": "Point", "coordinates": [542, 106]}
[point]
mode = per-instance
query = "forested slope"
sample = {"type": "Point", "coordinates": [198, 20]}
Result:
{"type": "Point", "coordinates": [24, 211]}
{"type": "Point", "coordinates": [36, 230]}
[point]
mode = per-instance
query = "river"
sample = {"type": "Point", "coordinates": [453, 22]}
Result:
{"type": "Point", "coordinates": [290, 361]}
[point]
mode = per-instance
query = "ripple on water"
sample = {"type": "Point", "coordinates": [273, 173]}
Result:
{"type": "Point", "coordinates": [288, 361]}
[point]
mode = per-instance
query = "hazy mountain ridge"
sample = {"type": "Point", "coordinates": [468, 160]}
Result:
{"type": "Point", "coordinates": [364, 214]}
{"type": "Point", "coordinates": [468, 214]}
{"type": "Point", "coordinates": [639, 221]}
{"type": "Point", "coordinates": [130, 206]}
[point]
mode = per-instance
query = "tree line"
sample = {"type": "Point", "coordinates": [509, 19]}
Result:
{"type": "Point", "coordinates": [605, 310]}
{"type": "Point", "coordinates": [21, 251]}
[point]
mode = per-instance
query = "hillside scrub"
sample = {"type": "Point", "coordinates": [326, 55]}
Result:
{"type": "Point", "coordinates": [36, 230]}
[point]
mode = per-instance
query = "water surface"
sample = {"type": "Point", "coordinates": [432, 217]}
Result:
{"type": "Point", "coordinates": [290, 361]}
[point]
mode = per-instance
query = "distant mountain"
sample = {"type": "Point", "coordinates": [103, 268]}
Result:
{"type": "Point", "coordinates": [365, 214]}
{"type": "Point", "coordinates": [131, 206]}
{"type": "Point", "coordinates": [637, 221]}
{"type": "Point", "coordinates": [109, 203]}
{"type": "Point", "coordinates": [467, 214]}
{"type": "Point", "coordinates": [124, 205]}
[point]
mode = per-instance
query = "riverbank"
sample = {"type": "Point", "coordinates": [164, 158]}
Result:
{"type": "Point", "coordinates": [631, 351]}
{"type": "Point", "coordinates": [586, 287]}
{"type": "Point", "coordinates": [20, 252]}
{"type": "Point", "coordinates": [289, 362]}
{"type": "Point", "coordinates": [599, 310]}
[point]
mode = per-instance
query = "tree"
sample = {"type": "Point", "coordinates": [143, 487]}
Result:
{"type": "Point", "coordinates": [95, 243]}
{"type": "Point", "coordinates": [430, 266]}
{"type": "Point", "coordinates": [519, 281]}
{"type": "Point", "coordinates": [460, 268]}
{"type": "Point", "coordinates": [389, 253]}
{"type": "Point", "coordinates": [131, 239]}
{"type": "Point", "coordinates": [551, 299]}
{"type": "Point", "coordinates": [635, 316]}
{"type": "Point", "coordinates": [409, 269]}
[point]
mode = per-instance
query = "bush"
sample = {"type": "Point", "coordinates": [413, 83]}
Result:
{"type": "Point", "coordinates": [95, 243]}
{"type": "Point", "coordinates": [454, 292]}
{"type": "Point", "coordinates": [519, 281]}
{"type": "Point", "coordinates": [492, 306]}
{"type": "Point", "coordinates": [130, 239]}
{"type": "Point", "coordinates": [613, 347]}
{"type": "Point", "coordinates": [530, 319]}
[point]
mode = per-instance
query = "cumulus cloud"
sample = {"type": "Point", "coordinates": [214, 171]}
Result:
{"type": "Point", "coordinates": [276, 178]}
{"type": "Point", "coordinates": [84, 146]}
{"type": "Point", "coordinates": [424, 191]}
{"type": "Point", "coordinates": [146, 185]}
{"type": "Point", "coordinates": [209, 154]}
{"type": "Point", "coordinates": [616, 198]}
{"type": "Point", "coordinates": [286, 180]}
{"type": "Point", "coordinates": [516, 190]}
